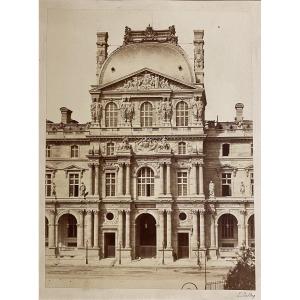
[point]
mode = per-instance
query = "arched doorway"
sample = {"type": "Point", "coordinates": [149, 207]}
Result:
{"type": "Point", "coordinates": [251, 232]}
{"type": "Point", "coordinates": [145, 236]}
{"type": "Point", "coordinates": [227, 231]}
{"type": "Point", "coordinates": [67, 231]}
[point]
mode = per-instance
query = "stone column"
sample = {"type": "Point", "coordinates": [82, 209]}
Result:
{"type": "Point", "coordinates": [51, 231]}
{"type": "Point", "coordinates": [195, 228]}
{"type": "Point", "coordinates": [96, 179]}
{"type": "Point", "coordinates": [56, 233]}
{"type": "Point", "coordinates": [217, 235]}
{"type": "Point", "coordinates": [127, 192]}
{"type": "Point", "coordinates": [120, 180]}
{"type": "Point", "coordinates": [88, 227]}
{"type": "Point", "coordinates": [96, 229]}
{"type": "Point", "coordinates": [160, 233]}
{"type": "Point", "coordinates": [134, 188]}
{"type": "Point", "coordinates": [161, 166]}
{"type": "Point", "coordinates": [201, 192]}
{"type": "Point", "coordinates": [193, 180]}
{"type": "Point", "coordinates": [247, 236]}
{"type": "Point", "coordinates": [120, 229]}
{"type": "Point", "coordinates": [241, 229]}
{"type": "Point", "coordinates": [168, 179]}
{"type": "Point", "coordinates": [127, 220]}
{"type": "Point", "coordinates": [212, 232]}
{"type": "Point", "coordinates": [169, 229]}
{"type": "Point", "coordinates": [202, 229]}
{"type": "Point", "coordinates": [80, 229]}
{"type": "Point", "coordinates": [91, 179]}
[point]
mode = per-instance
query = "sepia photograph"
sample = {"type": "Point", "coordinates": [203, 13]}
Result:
{"type": "Point", "coordinates": [150, 160]}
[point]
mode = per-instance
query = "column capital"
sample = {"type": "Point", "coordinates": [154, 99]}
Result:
{"type": "Point", "coordinates": [96, 212]}
{"type": "Point", "coordinates": [120, 211]}
{"type": "Point", "coordinates": [194, 211]}
{"type": "Point", "coordinates": [202, 211]}
{"type": "Point", "coordinates": [127, 211]}
{"type": "Point", "coordinates": [90, 165]}
{"type": "Point", "coordinates": [168, 211]}
{"type": "Point", "coordinates": [89, 211]}
{"type": "Point", "coordinates": [81, 212]}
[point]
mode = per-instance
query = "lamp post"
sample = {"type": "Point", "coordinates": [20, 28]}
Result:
{"type": "Point", "coordinates": [163, 253]}
{"type": "Point", "coordinates": [198, 254]}
{"type": "Point", "coordinates": [120, 244]}
{"type": "Point", "coordinates": [86, 252]}
{"type": "Point", "coordinates": [205, 270]}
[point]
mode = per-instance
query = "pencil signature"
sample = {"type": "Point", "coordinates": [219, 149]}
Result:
{"type": "Point", "coordinates": [246, 295]}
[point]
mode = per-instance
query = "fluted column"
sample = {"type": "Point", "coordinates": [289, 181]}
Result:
{"type": "Point", "coordinates": [168, 179]}
{"type": "Point", "coordinates": [127, 225]}
{"type": "Point", "coordinates": [195, 228]}
{"type": "Point", "coordinates": [120, 228]}
{"type": "Point", "coordinates": [120, 180]}
{"type": "Point", "coordinates": [160, 233]}
{"type": "Point", "coordinates": [202, 229]}
{"type": "Point", "coordinates": [161, 179]}
{"type": "Point", "coordinates": [212, 232]}
{"type": "Point", "coordinates": [169, 229]}
{"type": "Point", "coordinates": [91, 179]}
{"type": "Point", "coordinates": [88, 227]}
{"type": "Point", "coordinates": [127, 191]}
{"type": "Point", "coordinates": [201, 192]}
{"type": "Point", "coordinates": [193, 180]}
{"type": "Point", "coordinates": [52, 229]}
{"type": "Point", "coordinates": [80, 229]}
{"type": "Point", "coordinates": [96, 229]}
{"type": "Point", "coordinates": [241, 229]}
{"type": "Point", "coordinates": [96, 179]}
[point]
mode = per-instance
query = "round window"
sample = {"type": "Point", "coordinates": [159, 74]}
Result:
{"type": "Point", "coordinates": [109, 216]}
{"type": "Point", "coordinates": [182, 216]}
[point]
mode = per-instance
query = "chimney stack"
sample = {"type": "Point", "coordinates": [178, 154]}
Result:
{"type": "Point", "coordinates": [102, 46]}
{"type": "Point", "coordinates": [199, 56]}
{"type": "Point", "coordinates": [239, 112]}
{"type": "Point", "coordinates": [65, 115]}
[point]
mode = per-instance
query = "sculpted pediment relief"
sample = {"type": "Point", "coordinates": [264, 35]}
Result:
{"type": "Point", "coordinates": [146, 79]}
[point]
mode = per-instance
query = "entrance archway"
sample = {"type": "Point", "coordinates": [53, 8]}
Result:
{"type": "Point", "coordinates": [228, 231]}
{"type": "Point", "coordinates": [145, 236]}
{"type": "Point", "coordinates": [67, 231]}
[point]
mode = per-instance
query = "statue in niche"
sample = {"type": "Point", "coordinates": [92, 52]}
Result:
{"type": "Point", "coordinates": [53, 187]}
{"type": "Point", "coordinates": [96, 111]}
{"type": "Point", "coordinates": [164, 145]}
{"type": "Point", "coordinates": [127, 109]}
{"type": "Point", "coordinates": [124, 145]}
{"type": "Point", "coordinates": [166, 109]}
{"type": "Point", "coordinates": [242, 188]}
{"type": "Point", "coordinates": [211, 188]}
{"type": "Point", "coordinates": [198, 108]}
{"type": "Point", "coordinates": [83, 192]}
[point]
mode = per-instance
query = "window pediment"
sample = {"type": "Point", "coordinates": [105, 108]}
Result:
{"type": "Point", "coordinates": [74, 168]}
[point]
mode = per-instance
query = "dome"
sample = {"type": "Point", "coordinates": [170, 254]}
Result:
{"type": "Point", "coordinates": [166, 58]}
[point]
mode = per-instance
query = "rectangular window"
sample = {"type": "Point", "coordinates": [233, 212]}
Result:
{"type": "Point", "coordinates": [182, 183]}
{"type": "Point", "coordinates": [252, 183]}
{"type": "Point", "coordinates": [48, 151]}
{"type": "Point", "coordinates": [226, 184]}
{"type": "Point", "coordinates": [48, 184]}
{"type": "Point", "coordinates": [73, 185]}
{"type": "Point", "coordinates": [110, 184]}
{"type": "Point", "coordinates": [74, 151]}
{"type": "Point", "coordinates": [225, 149]}
{"type": "Point", "coordinates": [110, 149]}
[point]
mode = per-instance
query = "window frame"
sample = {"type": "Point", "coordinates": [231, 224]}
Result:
{"type": "Point", "coordinates": [111, 115]}
{"type": "Point", "coordinates": [76, 151]}
{"type": "Point", "coordinates": [182, 147]}
{"type": "Point", "coordinates": [73, 185]}
{"type": "Point", "coordinates": [145, 182]}
{"type": "Point", "coordinates": [227, 232]}
{"type": "Point", "coordinates": [182, 114]}
{"type": "Point", "coordinates": [223, 150]}
{"type": "Point", "coordinates": [48, 184]}
{"type": "Point", "coordinates": [110, 184]}
{"type": "Point", "coordinates": [110, 145]}
{"type": "Point", "coordinates": [71, 227]}
{"type": "Point", "coordinates": [146, 116]}
{"type": "Point", "coordinates": [252, 184]}
{"type": "Point", "coordinates": [48, 151]}
{"type": "Point", "coordinates": [224, 182]}
{"type": "Point", "coordinates": [182, 183]}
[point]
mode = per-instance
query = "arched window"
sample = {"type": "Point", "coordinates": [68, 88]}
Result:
{"type": "Point", "coordinates": [110, 149]}
{"type": "Point", "coordinates": [74, 151]}
{"type": "Point", "coordinates": [48, 151]}
{"type": "Point", "coordinates": [111, 115]}
{"type": "Point", "coordinates": [181, 148]}
{"type": "Point", "coordinates": [251, 227]}
{"type": "Point", "coordinates": [145, 181]}
{"type": "Point", "coordinates": [146, 114]}
{"type": "Point", "coordinates": [228, 222]}
{"type": "Point", "coordinates": [225, 149]}
{"type": "Point", "coordinates": [182, 114]}
{"type": "Point", "coordinates": [72, 226]}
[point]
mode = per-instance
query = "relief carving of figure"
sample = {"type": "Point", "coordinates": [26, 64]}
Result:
{"type": "Point", "coordinates": [164, 145]}
{"type": "Point", "coordinates": [125, 144]}
{"type": "Point", "coordinates": [83, 190]}
{"type": "Point", "coordinates": [146, 144]}
{"type": "Point", "coordinates": [242, 188]}
{"type": "Point", "coordinates": [96, 111]}
{"type": "Point", "coordinates": [166, 109]}
{"type": "Point", "coordinates": [53, 189]}
{"type": "Point", "coordinates": [198, 108]}
{"type": "Point", "coordinates": [211, 188]}
{"type": "Point", "coordinates": [127, 109]}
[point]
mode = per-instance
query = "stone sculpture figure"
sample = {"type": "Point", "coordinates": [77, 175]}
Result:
{"type": "Point", "coordinates": [53, 189]}
{"type": "Point", "coordinates": [211, 188]}
{"type": "Point", "coordinates": [242, 188]}
{"type": "Point", "coordinates": [82, 190]}
{"type": "Point", "coordinates": [166, 109]}
{"type": "Point", "coordinates": [198, 108]}
{"type": "Point", "coordinates": [127, 109]}
{"type": "Point", "coordinates": [96, 111]}
{"type": "Point", "coordinates": [124, 145]}
{"type": "Point", "coordinates": [164, 145]}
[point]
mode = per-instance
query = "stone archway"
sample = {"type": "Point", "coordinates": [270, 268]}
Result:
{"type": "Point", "coordinates": [145, 236]}
{"type": "Point", "coordinates": [227, 231]}
{"type": "Point", "coordinates": [67, 231]}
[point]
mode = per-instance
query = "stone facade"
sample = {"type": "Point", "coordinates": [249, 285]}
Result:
{"type": "Point", "coordinates": [149, 176]}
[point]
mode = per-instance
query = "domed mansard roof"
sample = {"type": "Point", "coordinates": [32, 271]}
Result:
{"type": "Point", "coordinates": [152, 49]}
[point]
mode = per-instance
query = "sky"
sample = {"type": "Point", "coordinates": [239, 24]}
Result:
{"type": "Point", "coordinates": [231, 35]}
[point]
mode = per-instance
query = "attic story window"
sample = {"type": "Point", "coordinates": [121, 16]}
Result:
{"type": "Point", "coordinates": [113, 69]}
{"type": "Point", "coordinates": [180, 68]}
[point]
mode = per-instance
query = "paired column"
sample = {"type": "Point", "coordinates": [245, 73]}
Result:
{"type": "Point", "coordinates": [195, 228]}
{"type": "Point", "coordinates": [127, 192]}
{"type": "Point", "coordinates": [202, 229]}
{"type": "Point", "coordinates": [168, 179]}
{"type": "Point", "coordinates": [201, 192]}
{"type": "Point", "coordinates": [96, 179]}
{"type": "Point", "coordinates": [88, 227]}
{"type": "Point", "coordinates": [169, 229]}
{"type": "Point", "coordinates": [161, 166]}
{"type": "Point", "coordinates": [193, 180]}
{"type": "Point", "coordinates": [212, 232]}
{"type": "Point", "coordinates": [120, 180]}
{"type": "Point", "coordinates": [127, 212]}
{"type": "Point", "coordinates": [120, 235]}
{"type": "Point", "coordinates": [80, 228]}
{"type": "Point", "coordinates": [96, 228]}
{"type": "Point", "coordinates": [91, 179]}
{"type": "Point", "coordinates": [51, 236]}
{"type": "Point", "coordinates": [241, 229]}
